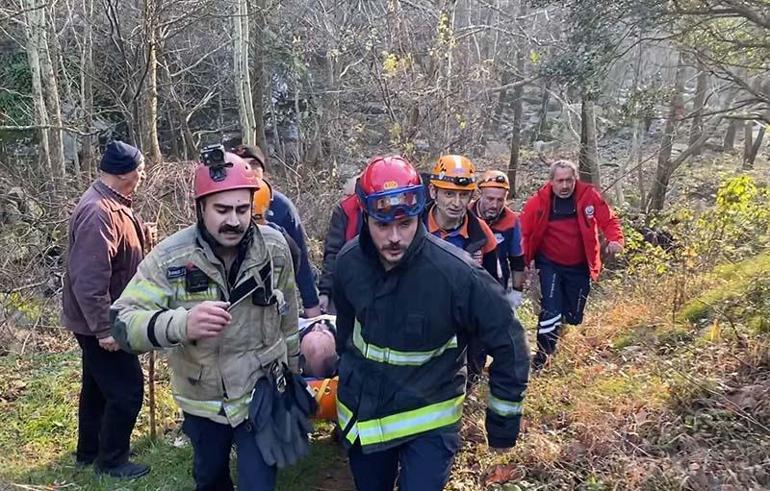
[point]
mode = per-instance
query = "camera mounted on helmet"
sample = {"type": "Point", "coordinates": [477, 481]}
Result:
{"type": "Point", "coordinates": [213, 157]}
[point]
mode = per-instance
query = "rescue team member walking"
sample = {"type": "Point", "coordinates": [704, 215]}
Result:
{"type": "Point", "coordinates": [452, 183]}
{"type": "Point", "coordinates": [106, 244]}
{"type": "Point", "coordinates": [504, 222]}
{"type": "Point", "coordinates": [560, 228]}
{"type": "Point", "coordinates": [407, 303]}
{"type": "Point", "coordinates": [221, 295]}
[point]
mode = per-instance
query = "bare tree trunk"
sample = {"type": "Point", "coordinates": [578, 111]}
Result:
{"type": "Point", "coordinates": [728, 145]}
{"type": "Point", "coordinates": [696, 129]}
{"type": "Point", "coordinates": [51, 91]}
{"type": "Point", "coordinates": [749, 163]}
{"type": "Point", "coordinates": [150, 19]}
{"type": "Point", "coordinates": [635, 137]}
{"type": "Point", "coordinates": [665, 166]}
{"type": "Point", "coordinates": [32, 32]}
{"type": "Point", "coordinates": [518, 103]}
{"type": "Point", "coordinates": [258, 72]}
{"type": "Point", "coordinates": [87, 160]}
{"type": "Point", "coordinates": [542, 123]}
{"type": "Point", "coordinates": [640, 173]}
{"type": "Point", "coordinates": [589, 151]}
{"type": "Point", "coordinates": [241, 72]}
{"type": "Point", "coordinates": [748, 137]}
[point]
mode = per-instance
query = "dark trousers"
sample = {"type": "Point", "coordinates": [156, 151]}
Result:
{"type": "Point", "coordinates": [564, 291]}
{"type": "Point", "coordinates": [422, 464]}
{"type": "Point", "coordinates": [110, 399]}
{"type": "Point", "coordinates": [211, 444]}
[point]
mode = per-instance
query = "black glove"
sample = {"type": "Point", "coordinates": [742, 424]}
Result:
{"type": "Point", "coordinates": [279, 417]}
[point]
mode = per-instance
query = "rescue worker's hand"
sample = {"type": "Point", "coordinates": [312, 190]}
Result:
{"type": "Point", "coordinates": [323, 302]}
{"type": "Point", "coordinates": [109, 344]}
{"type": "Point", "coordinates": [207, 319]}
{"type": "Point", "coordinates": [312, 312]}
{"type": "Point", "coordinates": [477, 257]}
{"type": "Point", "coordinates": [614, 248]}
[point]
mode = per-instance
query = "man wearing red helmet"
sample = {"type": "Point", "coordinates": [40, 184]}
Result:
{"type": "Point", "coordinates": [407, 304]}
{"type": "Point", "coordinates": [220, 295]}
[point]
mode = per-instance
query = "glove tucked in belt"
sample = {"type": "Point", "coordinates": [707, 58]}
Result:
{"type": "Point", "coordinates": [279, 416]}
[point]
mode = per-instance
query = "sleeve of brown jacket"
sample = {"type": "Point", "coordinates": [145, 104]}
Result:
{"type": "Point", "coordinates": [90, 268]}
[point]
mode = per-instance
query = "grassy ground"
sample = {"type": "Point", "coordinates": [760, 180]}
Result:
{"type": "Point", "coordinates": [37, 437]}
{"type": "Point", "coordinates": [633, 401]}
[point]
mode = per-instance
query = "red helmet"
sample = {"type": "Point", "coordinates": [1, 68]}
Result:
{"type": "Point", "coordinates": [231, 173]}
{"type": "Point", "coordinates": [390, 188]}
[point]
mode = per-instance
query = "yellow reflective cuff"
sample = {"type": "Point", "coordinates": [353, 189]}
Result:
{"type": "Point", "coordinates": [395, 357]}
{"type": "Point", "coordinates": [503, 407]}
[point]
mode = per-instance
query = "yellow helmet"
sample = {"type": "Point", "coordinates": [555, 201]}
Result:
{"type": "Point", "coordinates": [494, 179]}
{"type": "Point", "coordinates": [454, 172]}
{"type": "Point", "coordinates": [262, 199]}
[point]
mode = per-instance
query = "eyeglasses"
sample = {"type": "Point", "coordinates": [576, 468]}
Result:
{"type": "Point", "coordinates": [390, 205]}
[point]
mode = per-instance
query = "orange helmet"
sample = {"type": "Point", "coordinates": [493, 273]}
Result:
{"type": "Point", "coordinates": [454, 172]}
{"type": "Point", "coordinates": [494, 179]}
{"type": "Point", "coordinates": [262, 199]}
{"type": "Point", "coordinates": [325, 391]}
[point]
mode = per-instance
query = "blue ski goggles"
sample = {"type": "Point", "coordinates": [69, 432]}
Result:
{"type": "Point", "coordinates": [390, 205]}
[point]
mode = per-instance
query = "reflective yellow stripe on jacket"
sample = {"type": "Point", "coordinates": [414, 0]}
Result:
{"type": "Point", "coordinates": [395, 357]}
{"type": "Point", "coordinates": [402, 424]}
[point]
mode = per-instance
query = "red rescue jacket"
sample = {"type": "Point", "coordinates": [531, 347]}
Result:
{"type": "Point", "coordinates": [593, 214]}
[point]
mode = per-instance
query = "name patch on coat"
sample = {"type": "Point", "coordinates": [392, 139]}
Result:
{"type": "Point", "coordinates": [176, 272]}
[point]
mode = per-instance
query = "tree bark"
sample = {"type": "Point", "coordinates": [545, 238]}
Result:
{"type": "Point", "coordinates": [542, 123]}
{"type": "Point", "coordinates": [749, 163]}
{"type": "Point", "coordinates": [51, 91]}
{"type": "Point", "coordinates": [150, 14]}
{"type": "Point", "coordinates": [728, 144]}
{"type": "Point", "coordinates": [32, 30]}
{"type": "Point", "coordinates": [87, 160]}
{"type": "Point", "coordinates": [258, 72]}
{"type": "Point", "coordinates": [748, 138]}
{"type": "Point", "coordinates": [665, 167]}
{"type": "Point", "coordinates": [241, 72]}
{"type": "Point", "coordinates": [518, 103]}
{"type": "Point", "coordinates": [589, 151]}
{"type": "Point", "coordinates": [696, 130]}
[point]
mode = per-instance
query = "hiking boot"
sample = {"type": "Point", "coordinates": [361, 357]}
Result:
{"type": "Point", "coordinates": [127, 471]}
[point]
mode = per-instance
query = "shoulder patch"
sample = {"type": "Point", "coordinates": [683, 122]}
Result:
{"type": "Point", "coordinates": [175, 272]}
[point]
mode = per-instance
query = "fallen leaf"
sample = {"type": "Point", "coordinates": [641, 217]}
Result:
{"type": "Point", "coordinates": [499, 474]}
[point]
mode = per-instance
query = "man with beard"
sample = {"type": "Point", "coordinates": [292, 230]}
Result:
{"type": "Point", "coordinates": [220, 295]}
{"type": "Point", "coordinates": [504, 222]}
{"type": "Point", "coordinates": [560, 227]}
{"type": "Point", "coordinates": [452, 183]}
{"type": "Point", "coordinates": [407, 303]}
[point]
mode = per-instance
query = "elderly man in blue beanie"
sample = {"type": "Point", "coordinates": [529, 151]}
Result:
{"type": "Point", "coordinates": [106, 244]}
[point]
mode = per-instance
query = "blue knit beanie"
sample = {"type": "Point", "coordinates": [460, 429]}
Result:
{"type": "Point", "coordinates": [120, 158]}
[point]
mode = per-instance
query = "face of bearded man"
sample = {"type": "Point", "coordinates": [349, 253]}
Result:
{"type": "Point", "coordinates": [392, 239]}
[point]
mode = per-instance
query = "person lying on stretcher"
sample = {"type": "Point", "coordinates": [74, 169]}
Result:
{"type": "Point", "coordinates": [319, 360]}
